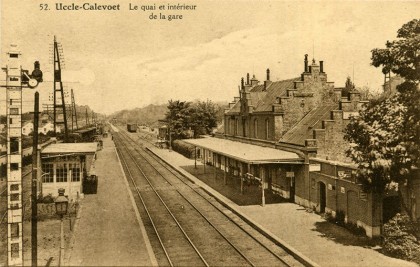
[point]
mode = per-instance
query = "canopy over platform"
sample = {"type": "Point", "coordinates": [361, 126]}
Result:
{"type": "Point", "coordinates": [247, 153]}
{"type": "Point", "coordinates": [70, 148]}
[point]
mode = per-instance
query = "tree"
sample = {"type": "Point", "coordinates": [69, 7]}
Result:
{"type": "Point", "coordinates": [384, 139]}
{"type": "Point", "coordinates": [178, 118]}
{"type": "Point", "coordinates": [204, 117]}
{"type": "Point", "coordinates": [183, 116]}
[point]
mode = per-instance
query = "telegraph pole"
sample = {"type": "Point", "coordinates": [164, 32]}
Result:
{"type": "Point", "coordinates": [34, 219]}
{"type": "Point", "coordinates": [87, 118]}
{"type": "Point", "coordinates": [73, 111]}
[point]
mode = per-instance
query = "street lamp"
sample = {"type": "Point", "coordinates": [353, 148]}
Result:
{"type": "Point", "coordinates": [61, 205]}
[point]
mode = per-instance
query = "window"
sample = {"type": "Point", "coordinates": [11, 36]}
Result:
{"type": "Point", "coordinates": [15, 248]}
{"type": "Point", "coordinates": [14, 145]}
{"type": "Point", "coordinates": [14, 197]}
{"type": "Point", "coordinates": [255, 128]}
{"type": "Point", "coordinates": [236, 126]}
{"type": "Point", "coordinates": [75, 172]}
{"type": "Point", "coordinates": [228, 126]}
{"type": "Point", "coordinates": [14, 111]}
{"type": "Point", "coordinates": [14, 187]}
{"type": "Point", "coordinates": [47, 173]}
{"type": "Point", "coordinates": [14, 166]}
{"type": "Point", "coordinates": [14, 230]}
{"type": "Point", "coordinates": [267, 128]}
{"type": "Point", "coordinates": [61, 173]}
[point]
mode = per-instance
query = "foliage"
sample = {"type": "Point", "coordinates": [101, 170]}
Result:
{"type": "Point", "coordinates": [178, 117]}
{"type": "Point", "coordinates": [378, 146]}
{"type": "Point", "coordinates": [148, 115]}
{"type": "Point", "coordinates": [183, 148]}
{"type": "Point", "coordinates": [399, 237]}
{"type": "Point", "coordinates": [384, 139]}
{"type": "Point", "coordinates": [203, 117]}
{"type": "Point", "coordinates": [45, 199]}
{"type": "Point", "coordinates": [339, 219]}
{"type": "Point", "coordinates": [183, 116]}
{"type": "Point", "coordinates": [401, 56]}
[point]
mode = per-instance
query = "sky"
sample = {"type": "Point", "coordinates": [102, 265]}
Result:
{"type": "Point", "coordinates": [121, 59]}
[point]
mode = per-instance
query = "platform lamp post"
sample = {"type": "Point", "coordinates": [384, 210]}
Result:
{"type": "Point", "coordinates": [61, 205]}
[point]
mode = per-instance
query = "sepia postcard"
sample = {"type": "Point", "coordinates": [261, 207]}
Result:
{"type": "Point", "coordinates": [216, 133]}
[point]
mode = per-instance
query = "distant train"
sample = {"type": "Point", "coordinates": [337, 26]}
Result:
{"type": "Point", "coordinates": [132, 127]}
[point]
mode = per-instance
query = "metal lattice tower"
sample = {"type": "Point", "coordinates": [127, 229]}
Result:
{"type": "Point", "coordinates": [14, 159]}
{"type": "Point", "coordinates": [60, 117]}
{"type": "Point", "coordinates": [73, 112]}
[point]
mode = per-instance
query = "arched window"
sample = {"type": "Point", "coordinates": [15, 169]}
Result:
{"type": "Point", "coordinates": [256, 128]}
{"type": "Point", "coordinates": [267, 135]}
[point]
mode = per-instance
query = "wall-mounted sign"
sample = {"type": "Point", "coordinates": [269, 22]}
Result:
{"type": "Point", "coordinates": [290, 174]}
{"type": "Point", "coordinates": [314, 167]}
{"type": "Point", "coordinates": [329, 186]}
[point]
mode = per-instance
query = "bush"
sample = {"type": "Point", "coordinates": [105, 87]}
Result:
{"type": "Point", "coordinates": [399, 237]}
{"type": "Point", "coordinates": [355, 229]}
{"type": "Point", "coordinates": [340, 217]}
{"type": "Point", "coordinates": [183, 148]}
{"type": "Point", "coordinates": [45, 199]}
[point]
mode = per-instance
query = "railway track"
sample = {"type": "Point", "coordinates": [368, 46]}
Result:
{"type": "Point", "coordinates": [191, 228]}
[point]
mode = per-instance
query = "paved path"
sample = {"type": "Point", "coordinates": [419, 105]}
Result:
{"type": "Point", "coordinates": [108, 231]}
{"type": "Point", "coordinates": [324, 243]}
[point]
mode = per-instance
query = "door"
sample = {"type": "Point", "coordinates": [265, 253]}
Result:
{"type": "Point", "coordinates": [322, 197]}
{"type": "Point", "coordinates": [292, 189]}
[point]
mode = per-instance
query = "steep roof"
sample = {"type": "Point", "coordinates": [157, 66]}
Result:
{"type": "Point", "coordinates": [275, 89]}
{"type": "Point", "coordinates": [261, 99]}
{"type": "Point", "coordinates": [313, 120]}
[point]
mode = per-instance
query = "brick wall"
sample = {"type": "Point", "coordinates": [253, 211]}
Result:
{"type": "Point", "coordinates": [344, 194]}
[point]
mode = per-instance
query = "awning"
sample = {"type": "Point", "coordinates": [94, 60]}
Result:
{"type": "Point", "coordinates": [247, 153]}
{"type": "Point", "coordinates": [67, 148]}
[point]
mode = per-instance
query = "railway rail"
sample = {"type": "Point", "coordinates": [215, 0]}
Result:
{"type": "Point", "coordinates": [183, 216]}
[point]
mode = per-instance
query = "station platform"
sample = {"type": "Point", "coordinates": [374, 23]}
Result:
{"type": "Point", "coordinates": [317, 241]}
{"type": "Point", "coordinates": [109, 230]}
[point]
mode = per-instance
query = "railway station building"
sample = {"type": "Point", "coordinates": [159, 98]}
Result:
{"type": "Point", "coordinates": [288, 135]}
{"type": "Point", "coordinates": [65, 165]}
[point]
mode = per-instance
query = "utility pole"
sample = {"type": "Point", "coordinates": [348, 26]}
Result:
{"type": "Point", "coordinates": [35, 165]}
{"type": "Point", "coordinates": [59, 106]}
{"type": "Point", "coordinates": [73, 111]}
{"type": "Point", "coordinates": [87, 118]}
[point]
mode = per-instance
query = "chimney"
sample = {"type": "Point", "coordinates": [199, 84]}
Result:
{"type": "Point", "coordinates": [254, 81]}
{"type": "Point", "coordinates": [321, 66]}
{"type": "Point", "coordinates": [310, 69]}
{"type": "Point", "coordinates": [247, 78]}
{"type": "Point", "coordinates": [306, 63]}
{"type": "Point", "coordinates": [242, 84]}
{"type": "Point", "coordinates": [268, 74]}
